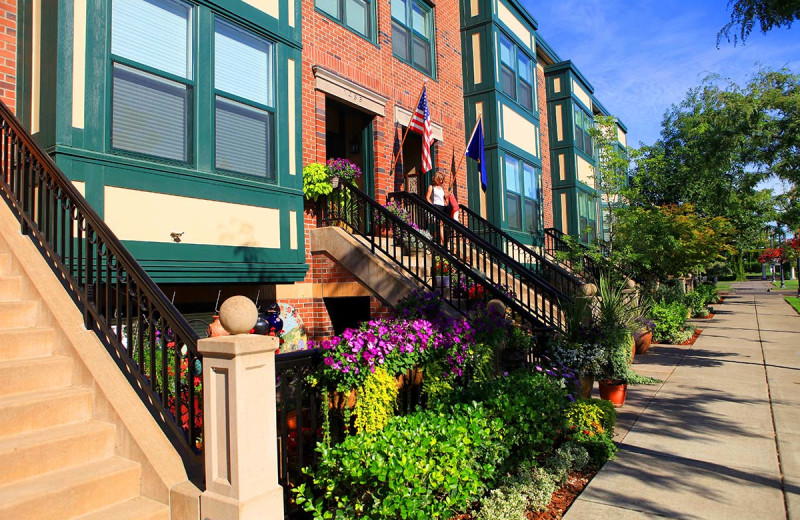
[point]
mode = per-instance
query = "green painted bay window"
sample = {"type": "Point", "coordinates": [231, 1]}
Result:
{"type": "Point", "coordinates": [412, 33]}
{"type": "Point", "coordinates": [532, 189]}
{"type": "Point", "coordinates": [154, 86]}
{"type": "Point", "coordinates": [583, 122]}
{"type": "Point", "coordinates": [516, 74]}
{"type": "Point", "coordinates": [152, 80]}
{"type": "Point", "coordinates": [587, 217]}
{"type": "Point", "coordinates": [357, 15]}
{"type": "Point", "coordinates": [513, 193]}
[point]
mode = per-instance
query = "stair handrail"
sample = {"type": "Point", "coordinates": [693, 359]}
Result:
{"type": "Point", "coordinates": [119, 301]}
{"type": "Point", "coordinates": [554, 243]}
{"type": "Point", "coordinates": [363, 215]}
{"type": "Point", "coordinates": [495, 235]}
{"type": "Point", "coordinates": [464, 241]}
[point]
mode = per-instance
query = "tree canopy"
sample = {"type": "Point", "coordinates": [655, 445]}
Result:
{"type": "Point", "coordinates": [768, 14]}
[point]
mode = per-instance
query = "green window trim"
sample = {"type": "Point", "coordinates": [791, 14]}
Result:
{"type": "Point", "coordinates": [344, 13]}
{"type": "Point", "coordinates": [523, 195]}
{"type": "Point", "coordinates": [413, 34]}
{"type": "Point", "coordinates": [517, 78]}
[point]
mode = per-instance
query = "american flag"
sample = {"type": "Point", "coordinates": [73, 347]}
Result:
{"type": "Point", "coordinates": [421, 124]}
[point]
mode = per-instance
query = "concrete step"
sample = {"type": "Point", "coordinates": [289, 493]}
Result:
{"type": "Point", "coordinates": [71, 492]}
{"type": "Point", "coordinates": [27, 375]}
{"type": "Point", "coordinates": [10, 287]}
{"type": "Point", "coordinates": [138, 508]}
{"type": "Point", "coordinates": [24, 412]}
{"type": "Point", "coordinates": [26, 343]}
{"type": "Point", "coordinates": [51, 449]}
{"type": "Point", "coordinates": [19, 313]}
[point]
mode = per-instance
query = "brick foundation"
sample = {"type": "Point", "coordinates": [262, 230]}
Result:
{"type": "Point", "coordinates": [8, 53]}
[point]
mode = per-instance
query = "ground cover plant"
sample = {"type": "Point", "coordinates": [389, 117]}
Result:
{"type": "Point", "coordinates": [481, 440]}
{"type": "Point", "coordinates": [794, 302]}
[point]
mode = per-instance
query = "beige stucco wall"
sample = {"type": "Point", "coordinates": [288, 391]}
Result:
{"type": "Point", "coordinates": [585, 170]}
{"type": "Point", "coordinates": [518, 131]}
{"type": "Point", "coordinates": [519, 30]}
{"type": "Point", "coordinates": [476, 58]}
{"type": "Point", "coordinates": [581, 94]}
{"type": "Point", "coordinates": [622, 137]}
{"type": "Point", "coordinates": [151, 217]}
{"type": "Point", "coordinates": [78, 62]}
{"type": "Point", "coordinates": [271, 7]}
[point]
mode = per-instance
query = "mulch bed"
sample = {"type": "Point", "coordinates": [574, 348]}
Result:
{"type": "Point", "coordinates": [689, 341]}
{"type": "Point", "coordinates": [706, 317]}
{"type": "Point", "coordinates": [562, 498]}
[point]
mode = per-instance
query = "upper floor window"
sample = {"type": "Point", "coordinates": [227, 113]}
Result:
{"type": "Point", "coordinates": [154, 84]}
{"type": "Point", "coordinates": [152, 80]}
{"type": "Point", "coordinates": [587, 217]}
{"type": "Point", "coordinates": [245, 123]}
{"type": "Point", "coordinates": [523, 195]}
{"type": "Point", "coordinates": [354, 14]}
{"type": "Point", "coordinates": [583, 122]}
{"type": "Point", "coordinates": [516, 74]}
{"type": "Point", "coordinates": [412, 33]}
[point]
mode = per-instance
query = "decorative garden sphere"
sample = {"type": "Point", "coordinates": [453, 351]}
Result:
{"type": "Point", "coordinates": [496, 307]}
{"type": "Point", "coordinates": [588, 289]}
{"type": "Point", "coordinates": [238, 314]}
{"type": "Point", "coordinates": [630, 283]}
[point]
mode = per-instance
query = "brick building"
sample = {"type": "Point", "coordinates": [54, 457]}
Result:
{"type": "Point", "coordinates": [361, 79]}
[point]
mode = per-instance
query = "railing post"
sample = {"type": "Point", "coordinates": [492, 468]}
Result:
{"type": "Point", "coordinates": [241, 452]}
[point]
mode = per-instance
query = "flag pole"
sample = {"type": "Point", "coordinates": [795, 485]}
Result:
{"type": "Point", "coordinates": [405, 134]}
{"type": "Point", "coordinates": [480, 118]}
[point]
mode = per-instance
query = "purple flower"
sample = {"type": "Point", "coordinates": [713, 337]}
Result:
{"type": "Point", "coordinates": [329, 361]}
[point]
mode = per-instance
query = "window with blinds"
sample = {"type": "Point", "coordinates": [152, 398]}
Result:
{"type": "Point", "coordinates": [152, 80]}
{"type": "Point", "coordinates": [243, 83]}
{"type": "Point", "coordinates": [412, 33]}
{"type": "Point", "coordinates": [516, 73]}
{"type": "Point", "coordinates": [523, 195]}
{"type": "Point", "coordinates": [353, 14]}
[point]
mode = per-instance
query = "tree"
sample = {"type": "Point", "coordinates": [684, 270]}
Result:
{"type": "Point", "coordinates": [672, 240]}
{"type": "Point", "coordinates": [612, 175]}
{"type": "Point", "coordinates": [769, 14]}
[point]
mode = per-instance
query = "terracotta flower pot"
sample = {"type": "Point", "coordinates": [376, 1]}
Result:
{"type": "Point", "coordinates": [216, 329]}
{"type": "Point", "coordinates": [587, 382]}
{"type": "Point", "coordinates": [340, 400]}
{"type": "Point", "coordinates": [643, 342]}
{"type": "Point", "coordinates": [614, 392]}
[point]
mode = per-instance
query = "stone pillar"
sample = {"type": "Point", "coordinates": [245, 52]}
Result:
{"type": "Point", "coordinates": [241, 453]}
{"type": "Point", "coordinates": [764, 271]}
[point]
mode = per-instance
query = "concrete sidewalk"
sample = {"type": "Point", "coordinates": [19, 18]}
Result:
{"type": "Point", "coordinates": [720, 439]}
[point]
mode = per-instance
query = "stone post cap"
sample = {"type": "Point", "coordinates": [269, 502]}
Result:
{"type": "Point", "coordinates": [630, 283]}
{"type": "Point", "coordinates": [588, 289]}
{"type": "Point", "coordinates": [238, 315]}
{"type": "Point", "coordinates": [496, 306]}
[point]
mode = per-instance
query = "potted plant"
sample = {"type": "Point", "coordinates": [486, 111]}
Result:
{"type": "Point", "coordinates": [643, 335]}
{"type": "Point", "coordinates": [342, 169]}
{"type": "Point", "coordinates": [316, 181]}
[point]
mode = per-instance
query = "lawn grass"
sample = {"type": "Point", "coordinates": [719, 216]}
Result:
{"type": "Point", "coordinates": [790, 284]}
{"type": "Point", "coordinates": [794, 302]}
{"type": "Point", "coordinates": [724, 286]}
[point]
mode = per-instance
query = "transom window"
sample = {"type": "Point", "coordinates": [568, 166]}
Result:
{"type": "Point", "coordinates": [412, 33]}
{"type": "Point", "coordinates": [523, 195]}
{"type": "Point", "coordinates": [154, 84]}
{"type": "Point", "coordinates": [516, 74]}
{"type": "Point", "coordinates": [583, 122]}
{"type": "Point", "coordinates": [353, 14]}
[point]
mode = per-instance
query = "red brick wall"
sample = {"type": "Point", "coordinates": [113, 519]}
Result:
{"type": "Point", "coordinates": [8, 52]}
{"type": "Point", "coordinates": [329, 45]}
{"type": "Point", "coordinates": [547, 179]}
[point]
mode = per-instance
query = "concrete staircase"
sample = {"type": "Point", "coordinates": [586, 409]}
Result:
{"type": "Point", "coordinates": [57, 460]}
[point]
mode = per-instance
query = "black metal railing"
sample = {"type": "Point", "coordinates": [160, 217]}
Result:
{"type": "Point", "coordinates": [508, 263]}
{"type": "Point", "coordinates": [559, 249]}
{"type": "Point", "coordinates": [150, 340]}
{"type": "Point", "coordinates": [299, 409]}
{"type": "Point", "coordinates": [433, 265]}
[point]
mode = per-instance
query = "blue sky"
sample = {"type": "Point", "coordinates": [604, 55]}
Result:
{"type": "Point", "coordinates": [642, 56]}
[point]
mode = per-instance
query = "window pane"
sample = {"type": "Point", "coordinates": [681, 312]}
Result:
{"type": "Point", "coordinates": [422, 54]}
{"type": "Point", "coordinates": [587, 143]}
{"type": "Point", "coordinates": [244, 138]}
{"type": "Point", "coordinates": [531, 216]}
{"type": "Point", "coordinates": [529, 181]}
{"type": "Point", "coordinates": [513, 212]}
{"type": "Point", "coordinates": [526, 95]}
{"type": "Point", "coordinates": [329, 6]}
{"type": "Point", "coordinates": [512, 174]}
{"type": "Point", "coordinates": [578, 137]}
{"type": "Point", "coordinates": [524, 67]}
{"type": "Point", "coordinates": [506, 51]}
{"type": "Point", "coordinates": [155, 33]}
{"type": "Point", "coordinates": [508, 82]}
{"type": "Point", "coordinates": [400, 41]}
{"type": "Point", "coordinates": [421, 20]}
{"type": "Point", "coordinates": [242, 64]}
{"type": "Point", "coordinates": [148, 114]}
{"type": "Point", "coordinates": [357, 16]}
{"type": "Point", "coordinates": [399, 10]}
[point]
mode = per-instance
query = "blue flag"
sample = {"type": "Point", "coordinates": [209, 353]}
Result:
{"type": "Point", "coordinates": [475, 150]}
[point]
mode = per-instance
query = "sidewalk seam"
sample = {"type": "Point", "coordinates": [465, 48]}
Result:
{"type": "Point", "coordinates": [771, 410]}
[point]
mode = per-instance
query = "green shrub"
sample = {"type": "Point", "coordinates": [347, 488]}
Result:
{"type": "Point", "coordinates": [530, 404]}
{"type": "Point", "coordinates": [569, 457]}
{"type": "Point", "coordinates": [376, 400]}
{"type": "Point", "coordinates": [503, 504]}
{"type": "Point", "coordinates": [669, 319]}
{"type": "Point", "coordinates": [316, 181]}
{"type": "Point", "coordinates": [709, 292]}
{"type": "Point", "coordinates": [537, 485]}
{"type": "Point", "coordinates": [425, 465]}
{"type": "Point", "coordinates": [590, 424]}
